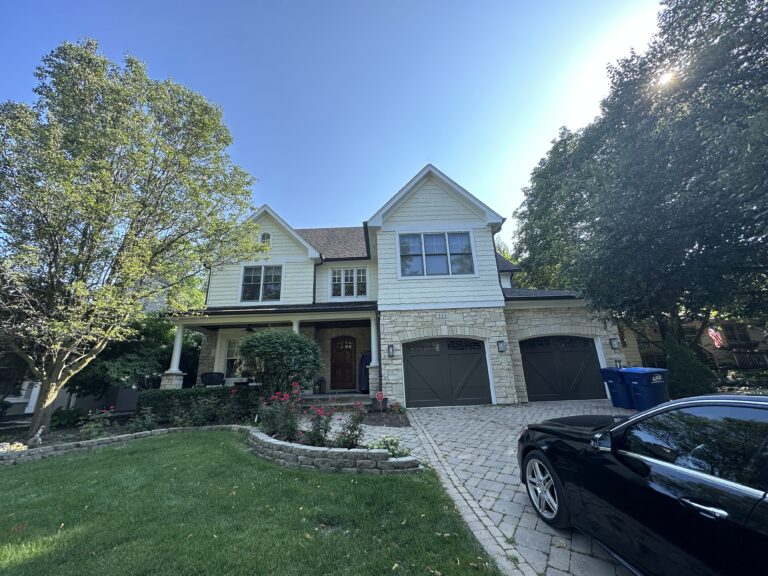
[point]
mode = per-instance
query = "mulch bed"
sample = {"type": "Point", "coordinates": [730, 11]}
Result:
{"type": "Point", "coordinates": [393, 419]}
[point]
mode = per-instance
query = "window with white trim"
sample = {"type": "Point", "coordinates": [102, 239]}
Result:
{"type": "Point", "coordinates": [349, 282]}
{"type": "Point", "coordinates": [261, 283]}
{"type": "Point", "coordinates": [436, 254]}
{"type": "Point", "coordinates": [233, 363]}
{"type": "Point", "coordinates": [266, 238]}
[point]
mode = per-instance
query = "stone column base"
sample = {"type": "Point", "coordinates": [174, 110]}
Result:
{"type": "Point", "coordinates": [373, 380]}
{"type": "Point", "coordinates": [172, 380]}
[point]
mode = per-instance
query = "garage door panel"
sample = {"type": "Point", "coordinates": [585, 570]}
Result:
{"type": "Point", "coordinates": [446, 371]}
{"type": "Point", "coordinates": [561, 368]}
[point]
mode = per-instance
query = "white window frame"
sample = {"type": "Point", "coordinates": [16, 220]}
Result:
{"type": "Point", "coordinates": [266, 238]}
{"type": "Point", "coordinates": [354, 269]}
{"type": "Point", "coordinates": [421, 232]}
{"type": "Point", "coordinates": [229, 340]}
{"type": "Point", "coordinates": [260, 302]}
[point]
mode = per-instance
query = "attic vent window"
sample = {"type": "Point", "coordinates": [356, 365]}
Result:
{"type": "Point", "coordinates": [441, 254]}
{"type": "Point", "coordinates": [266, 238]}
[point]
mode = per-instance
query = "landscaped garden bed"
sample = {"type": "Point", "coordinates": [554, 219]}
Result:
{"type": "Point", "coordinates": [200, 503]}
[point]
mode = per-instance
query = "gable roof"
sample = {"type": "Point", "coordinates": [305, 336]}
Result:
{"type": "Point", "coordinates": [311, 250]}
{"type": "Point", "coordinates": [505, 265]}
{"type": "Point", "coordinates": [429, 170]}
{"type": "Point", "coordinates": [337, 243]}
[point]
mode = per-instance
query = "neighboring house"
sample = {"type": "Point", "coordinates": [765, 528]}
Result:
{"type": "Point", "coordinates": [736, 345]}
{"type": "Point", "coordinates": [417, 294]}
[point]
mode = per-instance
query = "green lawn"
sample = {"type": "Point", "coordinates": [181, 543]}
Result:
{"type": "Point", "coordinates": [200, 503]}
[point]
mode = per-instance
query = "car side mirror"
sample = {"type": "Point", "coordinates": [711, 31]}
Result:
{"type": "Point", "coordinates": [602, 442]}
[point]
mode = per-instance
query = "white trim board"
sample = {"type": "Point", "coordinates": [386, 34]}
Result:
{"type": "Point", "coordinates": [442, 305]}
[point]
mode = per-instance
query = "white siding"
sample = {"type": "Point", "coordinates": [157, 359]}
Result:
{"type": "Point", "coordinates": [430, 202]}
{"type": "Point", "coordinates": [324, 279]}
{"type": "Point", "coordinates": [298, 270]}
{"type": "Point", "coordinates": [429, 207]}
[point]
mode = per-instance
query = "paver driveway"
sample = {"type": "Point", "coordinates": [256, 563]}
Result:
{"type": "Point", "coordinates": [474, 450]}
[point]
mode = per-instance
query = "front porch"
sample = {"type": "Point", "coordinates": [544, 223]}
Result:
{"type": "Point", "coordinates": [348, 343]}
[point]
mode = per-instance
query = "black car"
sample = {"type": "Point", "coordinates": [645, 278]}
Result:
{"type": "Point", "coordinates": [678, 489]}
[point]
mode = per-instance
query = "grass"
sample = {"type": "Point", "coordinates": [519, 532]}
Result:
{"type": "Point", "coordinates": [201, 503]}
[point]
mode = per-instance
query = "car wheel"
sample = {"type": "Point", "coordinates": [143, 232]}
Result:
{"type": "Point", "coordinates": [545, 490]}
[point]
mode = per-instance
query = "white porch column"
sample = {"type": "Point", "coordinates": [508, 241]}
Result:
{"type": "Point", "coordinates": [374, 342]}
{"type": "Point", "coordinates": [296, 324]}
{"type": "Point", "coordinates": [174, 378]}
{"type": "Point", "coordinates": [176, 356]}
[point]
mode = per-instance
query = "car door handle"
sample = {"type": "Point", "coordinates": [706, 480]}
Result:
{"type": "Point", "coordinates": [709, 511]}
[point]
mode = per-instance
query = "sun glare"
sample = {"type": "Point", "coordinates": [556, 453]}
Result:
{"type": "Point", "coordinates": [666, 78]}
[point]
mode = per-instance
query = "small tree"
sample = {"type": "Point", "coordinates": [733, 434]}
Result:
{"type": "Point", "coordinates": [280, 357]}
{"type": "Point", "coordinates": [115, 190]}
{"type": "Point", "coordinates": [687, 376]}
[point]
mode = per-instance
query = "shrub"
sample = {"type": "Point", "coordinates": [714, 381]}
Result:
{"type": "Point", "coordinates": [279, 415]}
{"type": "Point", "coordinates": [97, 424]}
{"type": "Point", "coordinates": [319, 426]}
{"type": "Point", "coordinates": [392, 445]}
{"type": "Point", "coordinates": [687, 376]}
{"type": "Point", "coordinates": [144, 420]}
{"type": "Point", "coordinates": [62, 417]}
{"type": "Point", "coordinates": [180, 406]}
{"type": "Point", "coordinates": [279, 357]}
{"type": "Point", "coordinates": [351, 434]}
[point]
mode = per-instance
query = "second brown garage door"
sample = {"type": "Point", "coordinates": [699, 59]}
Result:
{"type": "Point", "coordinates": [561, 368]}
{"type": "Point", "coordinates": [446, 372]}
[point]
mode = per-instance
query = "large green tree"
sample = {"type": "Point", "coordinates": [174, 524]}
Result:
{"type": "Point", "coordinates": [115, 190]}
{"type": "Point", "coordinates": [659, 209]}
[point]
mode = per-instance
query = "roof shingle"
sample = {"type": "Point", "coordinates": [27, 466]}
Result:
{"type": "Point", "coordinates": [337, 243]}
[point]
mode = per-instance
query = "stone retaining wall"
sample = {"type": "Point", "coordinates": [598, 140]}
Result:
{"type": "Point", "coordinates": [16, 457]}
{"type": "Point", "coordinates": [357, 460]}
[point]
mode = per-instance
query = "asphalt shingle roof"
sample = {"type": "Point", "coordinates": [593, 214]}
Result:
{"type": "Point", "coordinates": [526, 294]}
{"type": "Point", "coordinates": [505, 265]}
{"type": "Point", "coordinates": [336, 242]}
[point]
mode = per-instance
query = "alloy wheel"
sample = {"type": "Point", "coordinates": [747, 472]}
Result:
{"type": "Point", "coordinates": [541, 488]}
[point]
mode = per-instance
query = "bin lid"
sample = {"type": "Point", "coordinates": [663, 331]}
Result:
{"type": "Point", "coordinates": [610, 369]}
{"type": "Point", "coordinates": [640, 370]}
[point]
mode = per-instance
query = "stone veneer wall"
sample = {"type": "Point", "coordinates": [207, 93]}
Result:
{"type": "Point", "coordinates": [356, 460]}
{"type": "Point", "coordinates": [207, 351]}
{"type": "Point", "coordinates": [523, 323]}
{"type": "Point", "coordinates": [487, 324]}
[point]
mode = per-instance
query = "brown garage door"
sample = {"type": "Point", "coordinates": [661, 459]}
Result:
{"type": "Point", "coordinates": [561, 368]}
{"type": "Point", "coordinates": [445, 372]}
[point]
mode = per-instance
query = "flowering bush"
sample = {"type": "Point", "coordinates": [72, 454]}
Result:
{"type": "Point", "coordinates": [319, 426]}
{"type": "Point", "coordinates": [279, 415]}
{"type": "Point", "coordinates": [97, 423]}
{"type": "Point", "coordinates": [351, 434]}
{"type": "Point", "coordinates": [392, 445]}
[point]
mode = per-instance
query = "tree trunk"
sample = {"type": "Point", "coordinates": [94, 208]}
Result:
{"type": "Point", "coordinates": [44, 407]}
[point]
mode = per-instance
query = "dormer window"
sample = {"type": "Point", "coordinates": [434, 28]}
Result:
{"type": "Point", "coordinates": [436, 254]}
{"type": "Point", "coordinates": [266, 238]}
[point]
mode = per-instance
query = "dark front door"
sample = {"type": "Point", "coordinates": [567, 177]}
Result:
{"type": "Point", "coordinates": [343, 363]}
{"type": "Point", "coordinates": [446, 371]}
{"type": "Point", "coordinates": [673, 495]}
{"type": "Point", "coordinates": [561, 368]}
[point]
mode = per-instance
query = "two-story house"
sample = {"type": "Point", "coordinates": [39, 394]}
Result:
{"type": "Point", "coordinates": [419, 296]}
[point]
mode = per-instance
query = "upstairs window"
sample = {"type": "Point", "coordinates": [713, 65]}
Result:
{"type": "Point", "coordinates": [261, 283]}
{"type": "Point", "coordinates": [436, 254]}
{"type": "Point", "coordinates": [349, 282]}
{"type": "Point", "coordinates": [266, 238]}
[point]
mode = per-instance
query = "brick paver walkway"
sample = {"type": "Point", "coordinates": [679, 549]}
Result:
{"type": "Point", "coordinates": [474, 450]}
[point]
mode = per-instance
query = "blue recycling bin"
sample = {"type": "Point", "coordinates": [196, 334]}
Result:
{"type": "Point", "coordinates": [647, 385]}
{"type": "Point", "coordinates": [618, 389]}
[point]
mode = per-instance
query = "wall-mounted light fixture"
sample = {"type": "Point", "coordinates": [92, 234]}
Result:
{"type": "Point", "coordinates": [501, 345]}
{"type": "Point", "coordinates": [391, 350]}
{"type": "Point", "coordinates": [615, 343]}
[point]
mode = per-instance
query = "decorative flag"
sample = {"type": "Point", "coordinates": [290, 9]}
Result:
{"type": "Point", "coordinates": [717, 339]}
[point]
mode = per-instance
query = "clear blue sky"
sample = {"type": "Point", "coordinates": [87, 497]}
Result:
{"type": "Point", "coordinates": [334, 105]}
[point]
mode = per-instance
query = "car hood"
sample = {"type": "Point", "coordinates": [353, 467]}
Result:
{"type": "Point", "coordinates": [578, 426]}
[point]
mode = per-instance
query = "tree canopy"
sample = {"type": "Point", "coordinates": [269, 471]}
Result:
{"type": "Point", "coordinates": [659, 208]}
{"type": "Point", "coordinates": [115, 189]}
